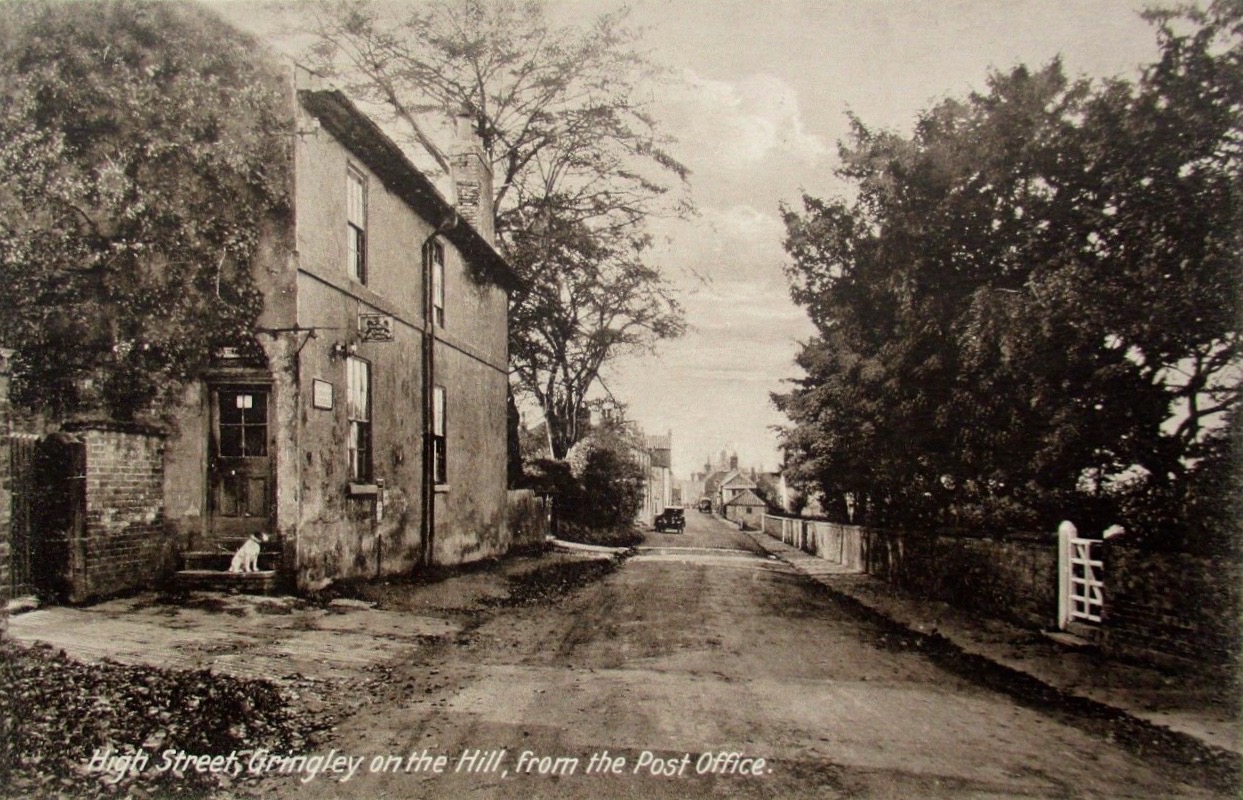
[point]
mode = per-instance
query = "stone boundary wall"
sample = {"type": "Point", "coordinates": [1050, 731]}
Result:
{"type": "Point", "coordinates": [526, 519]}
{"type": "Point", "coordinates": [1012, 577]}
{"type": "Point", "coordinates": [841, 544]}
{"type": "Point", "coordinates": [1172, 609]}
{"type": "Point", "coordinates": [1175, 609]}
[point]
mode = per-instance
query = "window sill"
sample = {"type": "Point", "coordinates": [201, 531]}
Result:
{"type": "Point", "coordinates": [362, 490]}
{"type": "Point", "coordinates": [441, 488]}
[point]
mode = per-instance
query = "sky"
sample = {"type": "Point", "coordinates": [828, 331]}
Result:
{"type": "Point", "coordinates": [757, 99]}
{"type": "Point", "coordinates": [765, 92]}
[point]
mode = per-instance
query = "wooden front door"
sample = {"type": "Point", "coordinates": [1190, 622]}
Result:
{"type": "Point", "coordinates": [240, 463]}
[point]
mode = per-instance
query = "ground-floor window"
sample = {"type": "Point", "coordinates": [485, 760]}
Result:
{"type": "Point", "coordinates": [440, 470]}
{"type": "Point", "coordinates": [358, 411]}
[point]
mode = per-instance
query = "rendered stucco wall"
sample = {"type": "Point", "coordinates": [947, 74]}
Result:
{"type": "Point", "coordinates": [470, 515]}
{"type": "Point", "coordinates": [340, 534]}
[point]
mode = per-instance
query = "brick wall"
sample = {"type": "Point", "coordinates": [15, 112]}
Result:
{"type": "Point", "coordinates": [121, 542]}
{"type": "Point", "coordinates": [1172, 608]}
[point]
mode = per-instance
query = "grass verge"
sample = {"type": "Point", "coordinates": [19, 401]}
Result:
{"type": "Point", "coordinates": [547, 583]}
{"type": "Point", "coordinates": [627, 536]}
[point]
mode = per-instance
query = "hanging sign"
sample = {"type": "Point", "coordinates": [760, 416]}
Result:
{"type": "Point", "coordinates": [375, 327]}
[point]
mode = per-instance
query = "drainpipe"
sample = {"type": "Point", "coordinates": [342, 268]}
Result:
{"type": "Point", "coordinates": [428, 526]}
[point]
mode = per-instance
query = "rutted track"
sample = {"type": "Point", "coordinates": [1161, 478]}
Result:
{"type": "Point", "coordinates": [676, 654]}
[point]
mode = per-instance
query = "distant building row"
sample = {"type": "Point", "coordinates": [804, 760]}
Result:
{"type": "Point", "coordinates": [732, 492]}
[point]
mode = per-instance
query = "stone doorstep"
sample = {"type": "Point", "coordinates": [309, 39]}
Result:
{"type": "Point", "coordinates": [195, 560]}
{"type": "Point", "coordinates": [1182, 723]}
{"type": "Point", "coordinates": [261, 582]}
{"type": "Point", "coordinates": [1068, 639]}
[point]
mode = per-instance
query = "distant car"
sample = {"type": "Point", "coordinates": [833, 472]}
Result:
{"type": "Point", "coordinates": [705, 506]}
{"type": "Point", "coordinates": [671, 519]}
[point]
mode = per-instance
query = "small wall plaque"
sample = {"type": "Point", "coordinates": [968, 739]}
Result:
{"type": "Point", "coordinates": [321, 394]}
{"type": "Point", "coordinates": [375, 327]}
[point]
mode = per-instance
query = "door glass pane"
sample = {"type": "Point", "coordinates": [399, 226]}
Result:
{"type": "Point", "coordinates": [230, 410]}
{"type": "Point", "coordinates": [231, 441]}
{"type": "Point", "coordinates": [257, 411]}
{"type": "Point", "coordinates": [255, 440]}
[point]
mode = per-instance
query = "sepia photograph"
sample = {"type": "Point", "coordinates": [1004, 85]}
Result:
{"type": "Point", "coordinates": [621, 398]}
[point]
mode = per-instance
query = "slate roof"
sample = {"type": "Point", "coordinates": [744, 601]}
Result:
{"type": "Point", "coordinates": [382, 156]}
{"type": "Point", "coordinates": [713, 481]}
{"type": "Point", "coordinates": [738, 479]}
{"type": "Point", "coordinates": [747, 498]}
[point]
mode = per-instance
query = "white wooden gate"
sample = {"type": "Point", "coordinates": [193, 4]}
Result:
{"type": "Point", "coordinates": [1081, 573]}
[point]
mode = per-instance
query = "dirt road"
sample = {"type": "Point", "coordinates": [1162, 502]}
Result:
{"type": "Point", "coordinates": [701, 668]}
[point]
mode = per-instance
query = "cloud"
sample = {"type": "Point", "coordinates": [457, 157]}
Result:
{"type": "Point", "coordinates": [733, 243]}
{"type": "Point", "coordinates": [746, 121]}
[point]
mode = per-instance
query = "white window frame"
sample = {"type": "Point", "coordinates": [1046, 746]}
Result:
{"type": "Point", "coordinates": [440, 440]}
{"type": "Point", "coordinates": [434, 260]}
{"type": "Point", "coordinates": [358, 415]}
{"type": "Point", "coordinates": [356, 224]}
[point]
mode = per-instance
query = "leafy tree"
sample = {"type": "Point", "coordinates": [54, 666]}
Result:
{"type": "Point", "coordinates": [141, 153]}
{"type": "Point", "coordinates": [579, 167]}
{"type": "Point", "coordinates": [610, 482]}
{"type": "Point", "coordinates": [1030, 303]}
{"type": "Point", "coordinates": [597, 302]}
{"type": "Point", "coordinates": [599, 487]}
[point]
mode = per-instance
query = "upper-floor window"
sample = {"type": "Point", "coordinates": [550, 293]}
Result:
{"type": "Point", "coordinates": [440, 471]}
{"type": "Point", "coordinates": [358, 412]}
{"type": "Point", "coordinates": [356, 224]}
{"type": "Point", "coordinates": [434, 260]}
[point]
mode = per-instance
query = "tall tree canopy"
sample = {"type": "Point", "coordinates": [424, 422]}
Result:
{"type": "Point", "coordinates": [1032, 301]}
{"type": "Point", "coordinates": [142, 147]}
{"type": "Point", "coordinates": [579, 167]}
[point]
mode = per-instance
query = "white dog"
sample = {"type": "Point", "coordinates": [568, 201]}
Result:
{"type": "Point", "coordinates": [246, 559]}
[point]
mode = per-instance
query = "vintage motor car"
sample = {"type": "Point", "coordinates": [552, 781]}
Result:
{"type": "Point", "coordinates": [705, 506]}
{"type": "Point", "coordinates": [671, 519]}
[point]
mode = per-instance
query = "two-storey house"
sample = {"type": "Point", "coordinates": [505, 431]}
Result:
{"type": "Point", "coordinates": [372, 439]}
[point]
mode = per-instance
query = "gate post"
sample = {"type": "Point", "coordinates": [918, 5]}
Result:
{"type": "Point", "coordinates": [7, 590]}
{"type": "Point", "coordinates": [1065, 532]}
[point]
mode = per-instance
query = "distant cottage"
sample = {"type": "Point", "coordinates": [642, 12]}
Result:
{"type": "Point", "coordinates": [746, 508]}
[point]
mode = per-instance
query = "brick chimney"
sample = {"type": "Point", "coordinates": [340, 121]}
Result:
{"type": "Point", "coordinates": [471, 172]}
